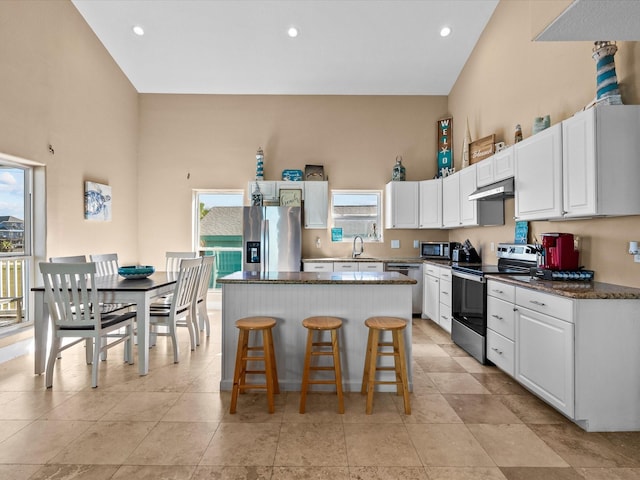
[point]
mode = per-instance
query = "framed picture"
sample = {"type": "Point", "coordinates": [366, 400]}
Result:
{"type": "Point", "coordinates": [482, 148]}
{"type": "Point", "coordinates": [445, 146]}
{"type": "Point", "coordinates": [314, 173]}
{"type": "Point", "coordinates": [291, 197]}
{"type": "Point", "coordinates": [97, 202]}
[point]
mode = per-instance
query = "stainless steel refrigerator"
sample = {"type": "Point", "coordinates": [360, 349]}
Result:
{"type": "Point", "coordinates": [271, 239]}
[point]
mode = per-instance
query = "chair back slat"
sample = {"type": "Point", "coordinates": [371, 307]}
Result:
{"type": "Point", "coordinates": [71, 300]}
{"type": "Point", "coordinates": [186, 284]}
{"type": "Point", "coordinates": [205, 276]}
{"type": "Point", "coordinates": [71, 259]}
{"type": "Point", "coordinates": [173, 260]}
{"type": "Point", "coordinates": [106, 264]}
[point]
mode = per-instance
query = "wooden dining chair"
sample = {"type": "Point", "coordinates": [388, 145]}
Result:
{"type": "Point", "coordinates": [173, 259]}
{"type": "Point", "coordinates": [179, 313]}
{"type": "Point", "coordinates": [71, 259]}
{"type": "Point", "coordinates": [106, 264]}
{"type": "Point", "coordinates": [201, 294]}
{"type": "Point", "coordinates": [75, 312]}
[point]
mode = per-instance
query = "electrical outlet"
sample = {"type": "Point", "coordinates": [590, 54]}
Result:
{"type": "Point", "coordinates": [416, 244]}
{"type": "Point", "coordinates": [493, 246]}
{"type": "Point", "coordinates": [395, 243]}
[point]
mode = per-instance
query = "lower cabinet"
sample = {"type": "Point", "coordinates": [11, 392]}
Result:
{"type": "Point", "coordinates": [436, 298]}
{"type": "Point", "coordinates": [343, 266]}
{"type": "Point", "coordinates": [318, 266]}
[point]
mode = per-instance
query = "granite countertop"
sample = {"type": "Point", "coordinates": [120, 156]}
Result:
{"type": "Point", "coordinates": [578, 290]}
{"type": "Point", "coordinates": [319, 278]}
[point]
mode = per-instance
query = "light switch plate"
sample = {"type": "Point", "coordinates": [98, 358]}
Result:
{"type": "Point", "coordinates": [416, 243]}
{"type": "Point", "coordinates": [395, 243]}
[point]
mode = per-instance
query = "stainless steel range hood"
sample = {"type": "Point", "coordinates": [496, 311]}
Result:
{"type": "Point", "coordinates": [494, 191]}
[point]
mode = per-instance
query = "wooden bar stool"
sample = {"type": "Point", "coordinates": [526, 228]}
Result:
{"type": "Point", "coordinates": [322, 324]}
{"type": "Point", "coordinates": [246, 326]}
{"type": "Point", "coordinates": [377, 325]}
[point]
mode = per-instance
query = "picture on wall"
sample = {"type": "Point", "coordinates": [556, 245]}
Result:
{"type": "Point", "coordinates": [97, 202]}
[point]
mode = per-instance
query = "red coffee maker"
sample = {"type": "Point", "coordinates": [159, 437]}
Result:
{"type": "Point", "coordinates": [559, 251]}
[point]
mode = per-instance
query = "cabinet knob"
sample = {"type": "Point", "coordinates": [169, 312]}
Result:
{"type": "Point", "coordinates": [497, 291]}
{"type": "Point", "coordinates": [444, 293]}
{"type": "Point", "coordinates": [535, 302]}
{"type": "Point", "coordinates": [497, 316]}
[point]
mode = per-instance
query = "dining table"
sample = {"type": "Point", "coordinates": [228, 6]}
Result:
{"type": "Point", "coordinates": [111, 289]}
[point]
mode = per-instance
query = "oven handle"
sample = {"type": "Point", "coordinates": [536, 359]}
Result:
{"type": "Point", "coordinates": [469, 276]}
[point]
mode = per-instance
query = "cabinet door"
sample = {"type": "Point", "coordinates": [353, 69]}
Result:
{"type": "Point", "coordinates": [345, 266]}
{"type": "Point", "coordinates": [370, 266]}
{"type": "Point", "coordinates": [579, 164]}
{"type": "Point", "coordinates": [318, 266]}
{"type": "Point", "coordinates": [538, 180]}
{"type": "Point", "coordinates": [544, 358]}
{"type": "Point", "coordinates": [468, 208]}
{"type": "Point", "coordinates": [431, 203]}
{"type": "Point", "coordinates": [451, 201]}
{"type": "Point", "coordinates": [402, 205]}
{"type": "Point", "coordinates": [316, 204]}
{"type": "Point", "coordinates": [445, 317]}
{"type": "Point", "coordinates": [503, 166]}
{"type": "Point", "coordinates": [268, 189]}
{"type": "Point", "coordinates": [484, 172]}
{"type": "Point", "coordinates": [431, 301]}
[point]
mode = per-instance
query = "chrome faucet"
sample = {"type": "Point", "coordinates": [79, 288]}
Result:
{"type": "Point", "coordinates": [355, 254]}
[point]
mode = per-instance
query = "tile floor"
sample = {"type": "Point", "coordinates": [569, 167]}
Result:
{"type": "Point", "coordinates": [468, 422]}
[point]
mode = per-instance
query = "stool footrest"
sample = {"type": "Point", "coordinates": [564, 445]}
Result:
{"type": "Point", "coordinates": [331, 368]}
{"type": "Point", "coordinates": [321, 382]}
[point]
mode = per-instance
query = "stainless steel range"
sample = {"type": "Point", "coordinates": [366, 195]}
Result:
{"type": "Point", "coordinates": [469, 295]}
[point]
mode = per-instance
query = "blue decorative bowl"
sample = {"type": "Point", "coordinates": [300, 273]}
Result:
{"type": "Point", "coordinates": [136, 271]}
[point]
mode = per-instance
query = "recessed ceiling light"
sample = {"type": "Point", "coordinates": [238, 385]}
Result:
{"type": "Point", "coordinates": [445, 32]}
{"type": "Point", "coordinates": [292, 32]}
{"type": "Point", "coordinates": [138, 30]}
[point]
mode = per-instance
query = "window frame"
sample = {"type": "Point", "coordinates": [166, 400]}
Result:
{"type": "Point", "coordinates": [380, 214]}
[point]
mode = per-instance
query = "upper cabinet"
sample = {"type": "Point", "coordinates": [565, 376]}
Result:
{"type": "Point", "coordinates": [600, 160]}
{"type": "Point", "coordinates": [495, 168]}
{"type": "Point", "coordinates": [430, 211]}
{"type": "Point", "coordinates": [316, 204]}
{"type": "Point", "coordinates": [451, 201]}
{"type": "Point", "coordinates": [538, 176]}
{"type": "Point", "coordinates": [586, 166]}
{"type": "Point", "coordinates": [401, 204]}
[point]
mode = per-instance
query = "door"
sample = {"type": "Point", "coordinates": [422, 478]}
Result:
{"type": "Point", "coordinates": [402, 205]}
{"type": "Point", "coordinates": [544, 357]}
{"type": "Point", "coordinates": [431, 203]}
{"type": "Point", "coordinates": [468, 208]}
{"type": "Point", "coordinates": [451, 201]}
{"type": "Point", "coordinates": [579, 164]}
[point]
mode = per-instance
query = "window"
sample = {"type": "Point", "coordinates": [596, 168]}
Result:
{"type": "Point", "coordinates": [218, 221]}
{"type": "Point", "coordinates": [357, 212]}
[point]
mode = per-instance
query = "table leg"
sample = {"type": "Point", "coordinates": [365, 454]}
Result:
{"type": "Point", "coordinates": [143, 334]}
{"type": "Point", "coordinates": [40, 332]}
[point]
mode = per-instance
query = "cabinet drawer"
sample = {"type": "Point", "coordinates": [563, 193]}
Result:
{"type": "Point", "coordinates": [345, 266]}
{"type": "Point", "coordinates": [371, 266]}
{"type": "Point", "coordinates": [445, 273]}
{"type": "Point", "coordinates": [501, 290]}
{"type": "Point", "coordinates": [501, 351]}
{"type": "Point", "coordinates": [501, 317]}
{"type": "Point", "coordinates": [431, 270]}
{"type": "Point", "coordinates": [318, 267]}
{"type": "Point", "coordinates": [445, 292]}
{"type": "Point", "coordinates": [445, 317]}
{"type": "Point", "coordinates": [552, 305]}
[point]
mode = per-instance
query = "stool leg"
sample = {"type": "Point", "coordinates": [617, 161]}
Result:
{"type": "Point", "coordinates": [276, 382]}
{"type": "Point", "coordinates": [403, 372]}
{"type": "Point", "coordinates": [268, 368]}
{"type": "Point", "coordinates": [367, 358]}
{"type": "Point", "coordinates": [338, 371]}
{"type": "Point", "coordinates": [372, 370]}
{"type": "Point", "coordinates": [396, 361]}
{"type": "Point", "coordinates": [240, 366]}
{"type": "Point", "coordinates": [305, 372]}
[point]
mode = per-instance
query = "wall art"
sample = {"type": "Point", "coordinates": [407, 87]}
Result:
{"type": "Point", "coordinates": [97, 202]}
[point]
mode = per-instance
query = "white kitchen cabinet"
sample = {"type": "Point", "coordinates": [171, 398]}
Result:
{"type": "Point", "coordinates": [430, 210]}
{"type": "Point", "coordinates": [402, 204]}
{"type": "Point", "coordinates": [318, 266]}
{"type": "Point", "coordinates": [316, 204]}
{"type": "Point", "coordinates": [268, 189]}
{"type": "Point", "coordinates": [501, 325]}
{"type": "Point", "coordinates": [495, 168]}
{"type": "Point", "coordinates": [371, 266]}
{"type": "Point", "coordinates": [451, 201]}
{"type": "Point", "coordinates": [444, 312]}
{"type": "Point", "coordinates": [538, 175]}
{"type": "Point", "coordinates": [431, 292]}
{"type": "Point", "coordinates": [545, 347]}
{"type": "Point", "coordinates": [600, 161]}
{"type": "Point", "coordinates": [345, 266]}
{"type": "Point", "coordinates": [468, 208]}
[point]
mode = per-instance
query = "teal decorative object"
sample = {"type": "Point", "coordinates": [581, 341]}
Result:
{"type": "Point", "coordinates": [260, 164]}
{"type": "Point", "coordinates": [132, 272]}
{"type": "Point", "coordinates": [399, 173]}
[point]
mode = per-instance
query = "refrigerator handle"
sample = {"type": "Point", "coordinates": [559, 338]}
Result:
{"type": "Point", "coordinates": [265, 246]}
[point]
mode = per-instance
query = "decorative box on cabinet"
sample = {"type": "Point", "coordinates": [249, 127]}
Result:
{"type": "Point", "coordinates": [401, 204]}
{"type": "Point", "coordinates": [600, 161]}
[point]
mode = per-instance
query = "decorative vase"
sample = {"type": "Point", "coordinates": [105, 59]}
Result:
{"type": "Point", "coordinates": [398, 173]}
{"type": "Point", "coordinates": [606, 78]}
{"type": "Point", "coordinates": [260, 165]}
{"type": "Point", "coordinates": [517, 137]}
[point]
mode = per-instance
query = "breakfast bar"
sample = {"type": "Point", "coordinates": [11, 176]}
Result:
{"type": "Point", "coordinates": [290, 297]}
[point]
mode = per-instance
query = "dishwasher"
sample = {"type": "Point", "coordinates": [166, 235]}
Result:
{"type": "Point", "coordinates": [411, 270]}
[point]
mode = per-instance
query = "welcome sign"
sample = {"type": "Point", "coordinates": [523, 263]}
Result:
{"type": "Point", "coordinates": [445, 148]}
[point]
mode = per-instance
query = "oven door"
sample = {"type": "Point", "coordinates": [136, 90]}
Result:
{"type": "Point", "coordinates": [469, 301]}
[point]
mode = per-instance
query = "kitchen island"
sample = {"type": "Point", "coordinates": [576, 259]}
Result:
{"type": "Point", "coordinates": [290, 297]}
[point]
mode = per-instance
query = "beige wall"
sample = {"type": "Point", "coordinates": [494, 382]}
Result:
{"type": "Point", "coordinates": [192, 142]}
{"type": "Point", "coordinates": [59, 86]}
{"type": "Point", "coordinates": [508, 80]}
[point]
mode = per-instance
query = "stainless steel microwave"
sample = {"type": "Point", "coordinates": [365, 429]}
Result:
{"type": "Point", "coordinates": [438, 250]}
